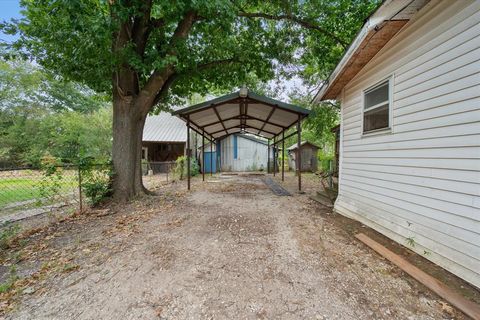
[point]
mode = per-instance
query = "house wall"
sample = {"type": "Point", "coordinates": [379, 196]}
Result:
{"type": "Point", "coordinates": [422, 180]}
{"type": "Point", "coordinates": [164, 151]}
{"type": "Point", "coordinates": [250, 155]}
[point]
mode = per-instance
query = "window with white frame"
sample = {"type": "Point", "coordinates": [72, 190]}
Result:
{"type": "Point", "coordinates": [376, 107]}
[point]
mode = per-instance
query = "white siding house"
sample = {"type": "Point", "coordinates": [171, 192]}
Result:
{"type": "Point", "coordinates": [410, 129]}
{"type": "Point", "coordinates": [243, 153]}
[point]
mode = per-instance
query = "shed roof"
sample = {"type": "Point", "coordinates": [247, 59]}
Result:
{"type": "Point", "coordinates": [252, 138]}
{"type": "Point", "coordinates": [249, 113]}
{"type": "Point", "coordinates": [378, 29]}
{"type": "Point", "coordinates": [244, 136]}
{"type": "Point", "coordinates": [164, 128]}
{"type": "Point", "coordinates": [294, 146]}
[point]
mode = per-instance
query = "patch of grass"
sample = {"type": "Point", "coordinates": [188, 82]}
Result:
{"type": "Point", "coordinates": [8, 285]}
{"type": "Point", "coordinates": [5, 287]}
{"type": "Point", "coordinates": [7, 233]}
{"type": "Point", "coordinates": [28, 188]}
{"type": "Point", "coordinates": [18, 189]}
{"type": "Point", "coordinates": [70, 267]}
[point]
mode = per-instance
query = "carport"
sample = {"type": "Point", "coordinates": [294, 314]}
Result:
{"type": "Point", "coordinates": [244, 112]}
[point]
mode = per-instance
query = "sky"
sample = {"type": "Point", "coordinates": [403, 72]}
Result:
{"type": "Point", "coordinates": [9, 9]}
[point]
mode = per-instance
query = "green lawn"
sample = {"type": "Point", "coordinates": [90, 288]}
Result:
{"type": "Point", "coordinates": [27, 188]}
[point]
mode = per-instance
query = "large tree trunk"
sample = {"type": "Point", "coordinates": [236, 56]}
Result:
{"type": "Point", "coordinates": [128, 125]}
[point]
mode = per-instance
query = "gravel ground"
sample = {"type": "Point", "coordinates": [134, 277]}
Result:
{"type": "Point", "coordinates": [229, 249]}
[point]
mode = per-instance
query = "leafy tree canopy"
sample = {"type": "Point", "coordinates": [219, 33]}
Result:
{"type": "Point", "coordinates": [68, 136]}
{"type": "Point", "coordinates": [226, 41]}
{"type": "Point", "coordinates": [42, 113]}
{"type": "Point", "coordinates": [29, 90]}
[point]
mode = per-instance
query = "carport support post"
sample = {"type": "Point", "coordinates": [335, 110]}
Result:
{"type": "Point", "coordinates": [203, 155]}
{"type": "Point", "coordinates": [211, 158]}
{"type": "Point", "coordinates": [283, 155]}
{"type": "Point", "coordinates": [188, 152]}
{"type": "Point", "coordinates": [299, 153]}
{"type": "Point", "coordinates": [268, 156]}
{"type": "Point", "coordinates": [274, 156]}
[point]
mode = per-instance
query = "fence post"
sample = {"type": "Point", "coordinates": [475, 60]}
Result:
{"type": "Point", "coordinates": [330, 175]}
{"type": "Point", "coordinates": [80, 188]}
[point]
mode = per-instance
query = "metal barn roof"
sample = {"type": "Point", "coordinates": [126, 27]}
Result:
{"type": "Point", "coordinates": [164, 128]}
{"type": "Point", "coordinates": [247, 112]}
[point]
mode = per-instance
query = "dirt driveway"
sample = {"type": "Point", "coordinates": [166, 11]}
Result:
{"type": "Point", "coordinates": [230, 249]}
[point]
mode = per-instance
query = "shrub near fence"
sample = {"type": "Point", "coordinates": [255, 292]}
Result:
{"type": "Point", "coordinates": [25, 190]}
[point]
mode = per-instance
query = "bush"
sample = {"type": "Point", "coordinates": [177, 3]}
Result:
{"type": "Point", "coordinates": [50, 186]}
{"type": "Point", "coordinates": [325, 160]}
{"type": "Point", "coordinates": [179, 171]}
{"type": "Point", "coordinates": [96, 180]}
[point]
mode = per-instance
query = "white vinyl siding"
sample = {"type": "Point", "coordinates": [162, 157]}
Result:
{"type": "Point", "coordinates": [423, 180]}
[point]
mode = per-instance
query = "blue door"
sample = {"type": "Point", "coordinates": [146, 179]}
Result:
{"type": "Point", "coordinates": [210, 162]}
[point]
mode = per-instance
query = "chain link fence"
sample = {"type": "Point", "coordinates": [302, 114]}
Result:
{"type": "Point", "coordinates": [26, 192]}
{"type": "Point", "coordinates": [157, 173]}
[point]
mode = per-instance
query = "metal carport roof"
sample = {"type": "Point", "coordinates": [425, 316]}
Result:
{"type": "Point", "coordinates": [242, 111]}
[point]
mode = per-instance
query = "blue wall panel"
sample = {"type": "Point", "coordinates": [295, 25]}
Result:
{"type": "Point", "coordinates": [209, 160]}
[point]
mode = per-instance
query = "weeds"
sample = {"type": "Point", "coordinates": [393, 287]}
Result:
{"type": "Point", "coordinates": [411, 241]}
{"type": "Point", "coordinates": [7, 285]}
{"type": "Point", "coordinates": [7, 234]}
{"type": "Point", "coordinates": [179, 171]}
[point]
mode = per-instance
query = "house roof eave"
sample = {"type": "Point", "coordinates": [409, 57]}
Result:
{"type": "Point", "coordinates": [377, 30]}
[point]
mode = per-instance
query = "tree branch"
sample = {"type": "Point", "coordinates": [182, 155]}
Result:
{"type": "Point", "coordinates": [174, 77]}
{"type": "Point", "coordinates": [158, 78]}
{"type": "Point", "coordinates": [288, 17]}
{"type": "Point", "coordinates": [166, 86]}
{"type": "Point", "coordinates": [141, 28]}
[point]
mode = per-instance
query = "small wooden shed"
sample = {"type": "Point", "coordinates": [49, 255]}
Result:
{"type": "Point", "coordinates": [308, 156]}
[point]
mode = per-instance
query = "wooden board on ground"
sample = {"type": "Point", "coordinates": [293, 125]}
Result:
{"type": "Point", "coordinates": [466, 306]}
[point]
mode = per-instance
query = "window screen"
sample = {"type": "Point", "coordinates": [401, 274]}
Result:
{"type": "Point", "coordinates": [376, 108]}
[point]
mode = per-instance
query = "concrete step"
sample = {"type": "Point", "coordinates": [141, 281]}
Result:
{"type": "Point", "coordinates": [332, 192]}
{"type": "Point", "coordinates": [328, 193]}
{"type": "Point", "coordinates": [325, 201]}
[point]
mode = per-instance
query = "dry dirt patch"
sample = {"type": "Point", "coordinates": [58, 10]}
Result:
{"type": "Point", "coordinates": [229, 249]}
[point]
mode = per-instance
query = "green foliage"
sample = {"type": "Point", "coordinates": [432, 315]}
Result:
{"type": "Point", "coordinates": [179, 170]}
{"type": "Point", "coordinates": [7, 233]}
{"type": "Point", "coordinates": [66, 136]}
{"type": "Point", "coordinates": [317, 127]}
{"type": "Point", "coordinates": [246, 40]}
{"type": "Point", "coordinates": [410, 241]}
{"type": "Point", "coordinates": [28, 90]}
{"type": "Point", "coordinates": [12, 277]}
{"type": "Point", "coordinates": [51, 183]}
{"type": "Point", "coordinates": [96, 180]}
{"type": "Point", "coordinates": [325, 161]}
{"type": "Point", "coordinates": [40, 114]}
